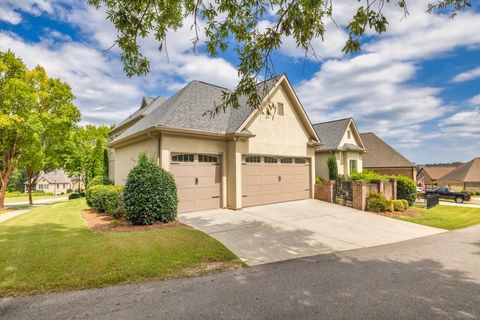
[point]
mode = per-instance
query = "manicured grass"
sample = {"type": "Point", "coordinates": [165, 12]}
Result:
{"type": "Point", "coordinates": [51, 249]}
{"type": "Point", "coordinates": [445, 217]}
{"type": "Point", "coordinates": [35, 198]}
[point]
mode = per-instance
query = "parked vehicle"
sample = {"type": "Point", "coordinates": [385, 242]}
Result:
{"type": "Point", "coordinates": [419, 190]}
{"type": "Point", "coordinates": [444, 193]}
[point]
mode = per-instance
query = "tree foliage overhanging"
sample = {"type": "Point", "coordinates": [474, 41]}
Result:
{"type": "Point", "coordinates": [237, 25]}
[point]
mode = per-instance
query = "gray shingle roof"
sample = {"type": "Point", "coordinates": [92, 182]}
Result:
{"type": "Point", "coordinates": [55, 176]}
{"type": "Point", "coordinates": [331, 133]}
{"type": "Point", "coordinates": [468, 172]}
{"type": "Point", "coordinates": [148, 105]}
{"type": "Point", "coordinates": [186, 109]}
{"type": "Point", "coordinates": [381, 155]}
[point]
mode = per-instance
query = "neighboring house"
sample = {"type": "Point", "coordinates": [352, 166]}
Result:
{"type": "Point", "coordinates": [239, 158]}
{"type": "Point", "coordinates": [465, 177]}
{"type": "Point", "coordinates": [341, 139]}
{"type": "Point", "coordinates": [430, 175]}
{"type": "Point", "coordinates": [56, 182]}
{"type": "Point", "coordinates": [383, 159]}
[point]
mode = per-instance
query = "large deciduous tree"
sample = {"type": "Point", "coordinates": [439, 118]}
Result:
{"type": "Point", "coordinates": [31, 104]}
{"type": "Point", "coordinates": [54, 117]}
{"type": "Point", "coordinates": [86, 157]}
{"type": "Point", "coordinates": [253, 29]}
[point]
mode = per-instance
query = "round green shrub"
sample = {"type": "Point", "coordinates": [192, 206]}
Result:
{"type": "Point", "coordinates": [96, 196]}
{"type": "Point", "coordinates": [72, 196]}
{"type": "Point", "coordinates": [406, 189]}
{"type": "Point", "coordinates": [113, 201]}
{"type": "Point", "coordinates": [398, 205]}
{"type": "Point", "coordinates": [377, 202]}
{"type": "Point", "coordinates": [405, 203]}
{"type": "Point", "coordinates": [150, 194]}
{"type": "Point", "coordinates": [318, 181]}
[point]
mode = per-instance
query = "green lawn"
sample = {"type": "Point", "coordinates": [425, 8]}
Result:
{"type": "Point", "coordinates": [465, 202]}
{"type": "Point", "coordinates": [51, 249]}
{"type": "Point", "coordinates": [445, 217]}
{"type": "Point", "coordinates": [25, 198]}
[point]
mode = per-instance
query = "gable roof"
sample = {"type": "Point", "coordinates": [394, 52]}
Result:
{"type": "Point", "coordinates": [147, 106]}
{"type": "Point", "coordinates": [381, 155]}
{"type": "Point", "coordinates": [185, 110]}
{"type": "Point", "coordinates": [55, 176]}
{"type": "Point", "coordinates": [437, 172]}
{"type": "Point", "coordinates": [331, 134]}
{"type": "Point", "coordinates": [468, 172]}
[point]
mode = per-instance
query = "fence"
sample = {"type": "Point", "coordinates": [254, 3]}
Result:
{"type": "Point", "coordinates": [354, 193]}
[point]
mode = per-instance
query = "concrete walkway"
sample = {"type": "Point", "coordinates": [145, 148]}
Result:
{"type": "Point", "coordinates": [35, 202]}
{"type": "Point", "coordinates": [453, 204]}
{"type": "Point", "coordinates": [13, 214]}
{"type": "Point", "coordinates": [303, 228]}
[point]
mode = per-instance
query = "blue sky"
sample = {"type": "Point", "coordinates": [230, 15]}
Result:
{"type": "Point", "coordinates": [417, 86]}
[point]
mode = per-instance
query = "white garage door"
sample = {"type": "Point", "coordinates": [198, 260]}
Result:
{"type": "Point", "coordinates": [274, 179]}
{"type": "Point", "coordinates": [198, 179]}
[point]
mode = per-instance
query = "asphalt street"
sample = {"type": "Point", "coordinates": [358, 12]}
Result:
{"type": "Point", "coordinates": [436, 277]}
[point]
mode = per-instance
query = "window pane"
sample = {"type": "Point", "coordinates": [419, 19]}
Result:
{"type": "Point", "coordinates": [204, 158]}
{"type": "Point", "coordinates": [182, 158]}
{"type": "Point", "coordinates": [252, 159]}
{"type": "Point", "coordinates": [270, 160]}
{"type": "Point", "coordinates": [287, 160]}
{"type": "Point", "coordinates": [353, 166]}
{"type": "Point", "coordinates": [280, 110]}
{"type": "Point", "coordinates": [300, 161]}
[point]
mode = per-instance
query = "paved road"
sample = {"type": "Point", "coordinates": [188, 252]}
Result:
{"type": "Point", "coordinates": [436, 277]}
{"type": "Point", "coordinates": [35, 202]}
{"type": "Point", "coordinates": [288, 230]}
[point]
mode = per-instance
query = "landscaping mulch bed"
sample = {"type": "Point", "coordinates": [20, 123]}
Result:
{"type": "Point", "coordinates": [407, 213]}
{"type": "Point", "coordinates": [102, 222]}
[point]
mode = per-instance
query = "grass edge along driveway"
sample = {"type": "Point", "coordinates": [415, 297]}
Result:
{"type": "Point", "coordinates": [445, 217]}
{"type": "Point", "coordinates": [51, 249]}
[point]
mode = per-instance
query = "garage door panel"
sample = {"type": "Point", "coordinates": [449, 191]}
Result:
{"type": "Point", "coordinates": [261, 183]}
{"type": "Point", "coordinates": [198, 184]}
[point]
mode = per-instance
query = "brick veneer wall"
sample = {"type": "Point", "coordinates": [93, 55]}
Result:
{"type": "Point", "coordinates": [324, 191]}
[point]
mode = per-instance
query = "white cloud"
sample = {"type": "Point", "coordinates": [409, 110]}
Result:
{"type": "Point", "coordinates": [103, 93]}
{"type": "Point", "coordinates": [376, 86]}
{"type": "Point", "coordinates": [466, 76]}
{"type": "Point", "coordinates": [475, 100]}
{"type": "Point", "coordinates": [10, 9]}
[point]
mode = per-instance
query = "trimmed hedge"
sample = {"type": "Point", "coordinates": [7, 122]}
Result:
{"type": "Point", "coordinates": [368, 176]}
{"type": "Point", "coordinates": [332, 167]}
{"type": "Point", "coordinates": [405, 203]}
{"type": "Point", "coordinates": [99, 180]}
{"type": "Point", "coordinates": [398, 205]}
{"type": "Point", "coordinates": [150, 194]}
{"type": "Point", "coordinates": [318, 181]}
{"type": "Point", "coordinates": [377, 202]}
{"type": "Point", "coordinates": [406, 189]}
{"type": "Point", "coordinates": [107, 199]}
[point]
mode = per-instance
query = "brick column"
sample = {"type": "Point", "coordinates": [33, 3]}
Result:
{"type": "Point", "coordinates": [359, 192]}
{"type": "Point", "coordinates": [324, 191]}
{"type": "Point", "coordinates": [394, 189]}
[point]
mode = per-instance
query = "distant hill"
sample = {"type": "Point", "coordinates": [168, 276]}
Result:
{"type": "Point", "coordinates": [446, 164]}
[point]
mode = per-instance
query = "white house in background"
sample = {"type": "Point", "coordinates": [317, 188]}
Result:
{"type": "Point", "coordinates": [56, 182]}
{"type": "Point", "coordinates": [341, 139]}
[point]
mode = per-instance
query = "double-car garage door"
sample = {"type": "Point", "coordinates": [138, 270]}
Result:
{"type": "Point", "coordinates": [264, 180]}
{"type": "Point", "coordinates": [272, 179]}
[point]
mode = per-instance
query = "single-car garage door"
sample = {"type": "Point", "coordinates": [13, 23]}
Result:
{"type": "Point", "coordinates": [274, 179]}
{"type": "Point", "coordinates": [198, 179]}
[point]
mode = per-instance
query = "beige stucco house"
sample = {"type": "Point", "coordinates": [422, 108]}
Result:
{"type": "Point", "coordinates": [239, 158]}
{"type": "Point", "coordinates": [56, 182]}
{"type": "Point", "coordinates": [341, 139]}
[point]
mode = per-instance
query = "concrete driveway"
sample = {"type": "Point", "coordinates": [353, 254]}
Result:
{"type": "Point", "coordinates": [296, 229]}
